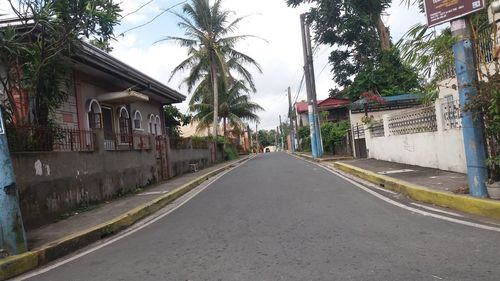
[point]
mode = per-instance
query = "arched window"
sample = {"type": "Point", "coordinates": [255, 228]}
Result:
{"type": "Point", "coordinates": [94, 114]}
{"type": "Point", "coordinates": [137, 120]}
{"type": "Point", "coordinates": [124, 124]}
{"type": "Point", "coordinates": [157, 125]}
{"type": "Point", "coordinates": [151, 121]}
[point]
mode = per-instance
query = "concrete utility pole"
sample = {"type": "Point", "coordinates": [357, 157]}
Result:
{"type": "Point", "coordinates": [257, 138]}
{"type": "Point", "coordinates": [281, 135]}
{"type": "Point", "coordinates": [316, 144]}
{"type": "Point", "coordinates": [12, 235]}
{"type": "Point", "coordinates": [293, 133]}
{"type": "Point", "coordinates": [472, 122]}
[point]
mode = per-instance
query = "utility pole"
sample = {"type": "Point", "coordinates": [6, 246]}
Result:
{"type": "Point", "coordinates": [281, 135]}
{"type": "Point", "coordinates": [12, 235]}
{"type": "Point", "coordinates": [316, 143]}
{"type": "Point", "coordinates": [257, 138]}
{"type": "Point", "coordinates": [296, 128]}
{"type": "Point", "coordinates": [472, 122]}
{"type": "Point", "coordinates": [310, 107]}
{"type": "Point", "coordinates": [293, 133]}
{"type": "Point", "coordinates": [312, 78]}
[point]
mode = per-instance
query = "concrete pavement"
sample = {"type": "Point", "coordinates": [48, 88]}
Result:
{"type": "Point", "coordinates": [277, 217]}
{"type": "Point", "coordinates": [67, 236]}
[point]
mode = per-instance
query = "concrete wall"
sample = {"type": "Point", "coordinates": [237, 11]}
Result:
{"type": "Point", "coordinates": [179, 159]}
{"type": "Point", "coordinates": [443, 149]}
{"type": "Point", "coordinates": [52, 183]}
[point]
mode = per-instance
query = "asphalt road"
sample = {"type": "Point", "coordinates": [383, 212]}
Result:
{"type": "Point", "coordinates": [281, 218]}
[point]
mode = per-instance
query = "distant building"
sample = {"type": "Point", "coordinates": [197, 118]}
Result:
{"type": "Point", "coordinates": [337, 108]}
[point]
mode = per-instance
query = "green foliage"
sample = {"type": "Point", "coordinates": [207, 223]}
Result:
{"type": "Point", "coordinates": [386, 75]}
{"type": "Point", "coordinates": [267, 137]}
{"type": "Point", "coordinates": [37, 50]}
{"type": "Point", "coordinates": [431, 51]}
{"type": "Point", "coordinates": [174, 119]}
{"type": "Point", "coordinates": [333, 133]}
{"type": "Point", "coordinates": [211, 58]}
{"type": "Point", "coordinates": [305, 138]}
{"type": "Point", "coordinates": [235, 107]}
{"type": "Point", "coordinates": [230, 152]}
{"type": "Point", "coordinates": [353, 28]}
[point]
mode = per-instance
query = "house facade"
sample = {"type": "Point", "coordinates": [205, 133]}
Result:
{"type": "Point", "coordinates": [337, 109]}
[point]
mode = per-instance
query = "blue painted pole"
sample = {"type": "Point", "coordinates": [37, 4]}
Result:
{"type": "Point", "coordinates": [12, 235]}
{"type": "Point", "coordinates": [318, 136]}
{"type": "Point", "coordinates": [312, 128]}
{"type": "Point", "coordinates": [472, 122]}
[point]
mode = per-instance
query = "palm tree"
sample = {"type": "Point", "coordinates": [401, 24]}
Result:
{"type": "Point", "coordinates": [211, 52]}
{"type": "Point", "coordinates": [235, 107]}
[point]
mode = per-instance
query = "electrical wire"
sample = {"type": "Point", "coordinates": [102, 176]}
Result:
{"type": "Point", "coordinates": [154, 18]}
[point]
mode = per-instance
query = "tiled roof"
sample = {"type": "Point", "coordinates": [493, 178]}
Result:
{"type": "Point", "coordinates": [327, 103]}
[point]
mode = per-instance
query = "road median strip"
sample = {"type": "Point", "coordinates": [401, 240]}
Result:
{"type": "Point", "coordinates": [484, 207]}
{"type": "Point", "coordinates": [18, 264]}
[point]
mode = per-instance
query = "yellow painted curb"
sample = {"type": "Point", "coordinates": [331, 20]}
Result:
{"type": "Point", "coordinates": [484, 207]}
{"type": "Point", "coordinates": [19, 264]}
{"type": "Point", "coordinates": [15, 265]}
{"type": "Point", "coordinates": [309, 157]}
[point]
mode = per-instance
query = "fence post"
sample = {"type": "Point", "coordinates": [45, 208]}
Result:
{"type": "Point", "coordinates": [439, 115]}
{"type": "Point", "coordinates": [385, 119]}
{"type": "Point", "coordinates": [12, 235]}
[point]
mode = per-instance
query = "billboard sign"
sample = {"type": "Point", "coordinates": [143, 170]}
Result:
{"type": "Point", "coordinates": [441, 11]}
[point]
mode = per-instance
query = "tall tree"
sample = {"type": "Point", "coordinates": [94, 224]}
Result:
{"type": "Point", "coordinates": [211, 48]}
{"type": "Point", "coordinates": [354, 28]}
{"type": "Point", "coordinates": [36, 49]}
{"type": "Point", "coordinates": [235, 107]}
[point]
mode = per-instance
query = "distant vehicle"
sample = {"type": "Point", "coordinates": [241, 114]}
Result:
{"type": "Point", "coordinates": [271, 148]}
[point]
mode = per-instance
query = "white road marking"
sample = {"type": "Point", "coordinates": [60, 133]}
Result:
{"type": "Point", "coordinates": [153, 193]}
{"type": "Point", "coordinates": [417, 211]}
{"type": "Point", "coordinates": [127, 233]}
{"type": "Point", "coordinates": [396, 171]}
{"type": "Point", "coordinates": [437, 210]}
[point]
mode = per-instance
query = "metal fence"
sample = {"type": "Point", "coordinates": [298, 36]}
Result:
{"type": "Point", "coordinates": [358, 131]}
{"type": "Point", "coordinates": [127, 141]}
{"type": "Point", "coordinates": [37, 139]}
{"type": "Point", "coordinates": [415, 121]}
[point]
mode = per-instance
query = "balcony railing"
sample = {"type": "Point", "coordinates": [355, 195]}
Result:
{"type": "Point", "coordinates": [127, 141]}
{"type": "Point", "coordinates": [37, 139]}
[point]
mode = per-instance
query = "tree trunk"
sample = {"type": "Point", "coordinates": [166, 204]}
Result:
{"type": "Point", "coordinates": [216, 100]}
{"type": "Point", "coordinates": [225, 130]}
{"type": "Point", "coordinates": [383, 33]}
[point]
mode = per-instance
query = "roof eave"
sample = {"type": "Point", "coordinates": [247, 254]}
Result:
{"type": "Point", "coordinates": [107, 63]}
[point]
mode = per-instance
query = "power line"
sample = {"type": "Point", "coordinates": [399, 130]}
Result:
{"type": "Point", "coordinates": [138, 9]}
{"type": "Point", "coordinates": [154, 18]}
{"type": "Point", "coordinates": [300, 88]}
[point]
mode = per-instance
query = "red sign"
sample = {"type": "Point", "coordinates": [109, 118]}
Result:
{"type": "Point", "coordinates": [441, 11]}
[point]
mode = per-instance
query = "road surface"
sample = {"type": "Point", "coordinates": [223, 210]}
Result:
{"type": "Point", "coordinates": [277, 217]}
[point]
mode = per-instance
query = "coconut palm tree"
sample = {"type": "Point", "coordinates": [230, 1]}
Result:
{"type": "Point", "coordinates": [235, 107]}
{"type": "Point", "coordinates": [211, 49]}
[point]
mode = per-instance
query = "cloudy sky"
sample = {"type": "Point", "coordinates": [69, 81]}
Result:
{"type": "Point", "coordinates": [280, 54]}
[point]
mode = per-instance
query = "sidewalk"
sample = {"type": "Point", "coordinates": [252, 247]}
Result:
{"type": "Point", "coordinates": [428, 177]}
{"type": "Point", "coordinates": [324, 158]}
{"type": "Point", "coordinates": [63, 237]}
{"type": "Point", "coordinates": [433, 186]}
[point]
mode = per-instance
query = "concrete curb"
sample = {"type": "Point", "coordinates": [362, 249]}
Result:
{"type": "Point", "coordinates": [309, 157]}
{"type": "Point", "coordinates": [19, 264]}
{"type": "Point", "coordinates": [484, 207]}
